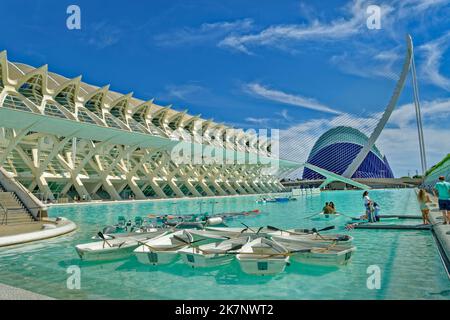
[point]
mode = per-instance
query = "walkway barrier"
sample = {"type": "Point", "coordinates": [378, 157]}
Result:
{"type": "Point", "coordinates": [31, 203]}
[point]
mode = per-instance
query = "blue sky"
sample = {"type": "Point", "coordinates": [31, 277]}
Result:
{"type": "Point", "coordinates": [297, 66]}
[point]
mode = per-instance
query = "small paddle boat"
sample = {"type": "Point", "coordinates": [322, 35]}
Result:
{"type": "Point", "coordinates": [326, 216]}
{"type": "Point", "coordinates": [262, 256]}
{"type": "Point", "coordinates": [163, 249]}
{"type": "Point", "coordinates": [312, 239]}
{"type": "Point", "coordinates": [113, 248]}
{"type": "Point", "coordinates": [333, 255]}
{"type": "Point", "coordinates": [212, 254]}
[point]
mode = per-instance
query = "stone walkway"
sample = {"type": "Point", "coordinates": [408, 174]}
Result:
{"type": "Point", "coordinates": [13, 293]}
{"type": "Point", "coordinates": [441, 231]}
{"type": "Point", "coordinates": [8, 230]}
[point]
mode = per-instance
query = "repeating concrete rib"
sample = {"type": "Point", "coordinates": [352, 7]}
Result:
{"type": "Point", "coordinates": [63, 138]}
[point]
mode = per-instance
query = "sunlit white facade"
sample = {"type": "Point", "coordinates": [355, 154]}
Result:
{"type": "Point", "coordinates": [62, 138]}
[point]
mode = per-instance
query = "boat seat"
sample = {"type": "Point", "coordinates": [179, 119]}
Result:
{"type": "Point", "coordinates": [262, 249]}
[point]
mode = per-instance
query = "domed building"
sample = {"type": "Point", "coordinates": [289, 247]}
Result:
{"type": "Point", "coordinates": [335, 150]}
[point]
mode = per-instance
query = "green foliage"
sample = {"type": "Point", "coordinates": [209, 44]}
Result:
{"type": "Point", "coordinates": [437, 165]}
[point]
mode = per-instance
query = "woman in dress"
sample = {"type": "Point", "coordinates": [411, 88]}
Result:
{"type": "Point", "coordinates": [424, 199]}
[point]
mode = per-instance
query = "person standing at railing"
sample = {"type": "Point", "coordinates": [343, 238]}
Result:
{"type": "Point", "coordinates": [368, 204]}
{"type": "Point", "coordinates": [442, 188]}
{"type": "Point", "coordinates": [423, 201]}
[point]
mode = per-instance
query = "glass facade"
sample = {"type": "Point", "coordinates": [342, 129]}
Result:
{"type": "Point", "coordinates": [335, 150]}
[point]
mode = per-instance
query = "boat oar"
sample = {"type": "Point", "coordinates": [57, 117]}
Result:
{"type": "Point", "coordinates": [100, 234]}
{"type": "Point", "coordinates": [260, 228]}
{"type": "Point", "coordinates": [313, 215]}
{"type": "Point", "coordinates": [303, 231]}
{"type": "Point", "coordinates": [325, 229]}
{"type": "Point", "coordinates": [187, 242]}
{"type": "Point", "coordinates": [247, 228]}
{"type": "Point", "coordinates": [314, 230]}
{"type": "Point", "coordinates": [278, 229]}
{"type": "Point", "coordinates": [269, 255]}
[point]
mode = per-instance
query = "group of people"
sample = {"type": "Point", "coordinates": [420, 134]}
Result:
{"type": "Point", "coordinates": [372, 209]}
{"type": "Point", "coordinates": [329, 208]}
{"type": "Point", "coordinates": [442, 191]}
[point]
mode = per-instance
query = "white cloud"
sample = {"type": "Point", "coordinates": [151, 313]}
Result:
{"type": "Point", "coordinates": [397, 141]}
{"type": "Point", "coordinates": [282, 36]}
{"type": "Point", "coordinates": [373, 63]}
{"type": "Point", "coordinates": [395, 17]}
{"type": "Point", "coordinates": [259, 121]}
{"type": "Point", "coordinates": [433, 52]}
{"type": "Point", "coordinates": [205, 33]}
{"type": "Point", "coordinates": [286, 98]}
{"type": "Point", "coordinates": [102, 35]}
{"type": "Point", "coordinates": [402, 149]}
{"type": "Point", "coordinates": [184, 91]}
{"type": "Point", "coordinates": [285, 115]}
{"type": "Point", "coordinates": [408, 7]}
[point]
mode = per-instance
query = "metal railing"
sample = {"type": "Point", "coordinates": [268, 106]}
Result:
{"type": "Point", "coordinates": [5, 215]}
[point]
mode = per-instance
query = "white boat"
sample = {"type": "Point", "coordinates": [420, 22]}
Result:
{"type": "Point", "coordinates": [212, 254]}
{"type": "Point", "coordinates": [164, 249]}
{"type": "Point", "coordinates": [262, 256]}
{"type": "Point", "coordinates": [328, 256]}
{"type": "Point", "coordinates": [136, 233]}
{"type": "Point", "coordinates": [294, 236]}
{"type": "Point", "coordinates": [300, 236]}
{"type": "Point", "coordinates": [234, 232]}
{"type": "Point", "coordinates": [113, 249]}
{"type": "Point", "coordinates": [326, 216]}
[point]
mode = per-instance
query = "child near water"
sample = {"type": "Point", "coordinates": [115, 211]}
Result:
{"type": "Point", "coordinates": [423, 200]}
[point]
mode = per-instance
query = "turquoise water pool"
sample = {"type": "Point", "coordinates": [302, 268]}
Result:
{"type": "Point", "coordinates": [409, 261]}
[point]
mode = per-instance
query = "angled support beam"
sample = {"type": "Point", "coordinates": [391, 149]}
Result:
{"type": "Point", "coordinates": [15, 141]}
{"type": "Point", "coordinates": [56, 149]}
{"type": "Point", "coordinates": [331, 176]}
{"type": "Point", "coordinates": [351, 169]}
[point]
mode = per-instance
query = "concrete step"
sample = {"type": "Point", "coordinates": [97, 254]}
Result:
{"type": "Point", "coordinates": [7, 194]}
{"type": "Point", "coordinates": [16, 219]}
{"type": "Point", "coordinates": [20, 223]}
{"type": "Point", "coordinates": [17, 213]}
{"type": "Point", "coordinates": [4, 222]}
{"type": "Point", "coordinates": [11, 204]}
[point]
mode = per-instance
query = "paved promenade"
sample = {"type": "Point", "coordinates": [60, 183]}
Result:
{"type": "Point", "coordinates": [13, 293]}
{"type": "Point", "coordinates": [441, 231]}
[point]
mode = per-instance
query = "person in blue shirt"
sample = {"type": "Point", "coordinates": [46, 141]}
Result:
{"type": "Point", "coordinates": [442, 188]}
{"type": "Point", "coordinates": [376, 211]}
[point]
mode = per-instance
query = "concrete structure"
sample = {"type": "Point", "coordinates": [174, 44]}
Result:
{"type": "Point", "coordinates": [377, 183]}
{"type": "Point", "coordinates": [24, 233]}
{"type": "Point", "coordinates": [63, 138]}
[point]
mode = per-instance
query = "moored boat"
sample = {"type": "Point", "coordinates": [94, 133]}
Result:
{"type": "Point", "coordinates": [163, 249]}
{"type": "Point", "coordinates": [326, 216]}
{"type": "Point", "coordinates": [234, 232]}
{"type": "Point", "coordinates": [312, 239]}
{"type": "Point", "coordinates": [333, 256]}
{"type": "Point", "coordinates": [262, 256]}
{"type": "Point", "coordinates": [113, 248]}
{"type": "Point", "coordinates": [212, 254]}
{"type": "Point", "coordinates": [327, 256]}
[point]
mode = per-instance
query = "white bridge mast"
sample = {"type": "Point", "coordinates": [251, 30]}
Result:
{"type": "Point", "coordinates": [408, 63]}
{"type": "Point", "coordinates": [423, 159]}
